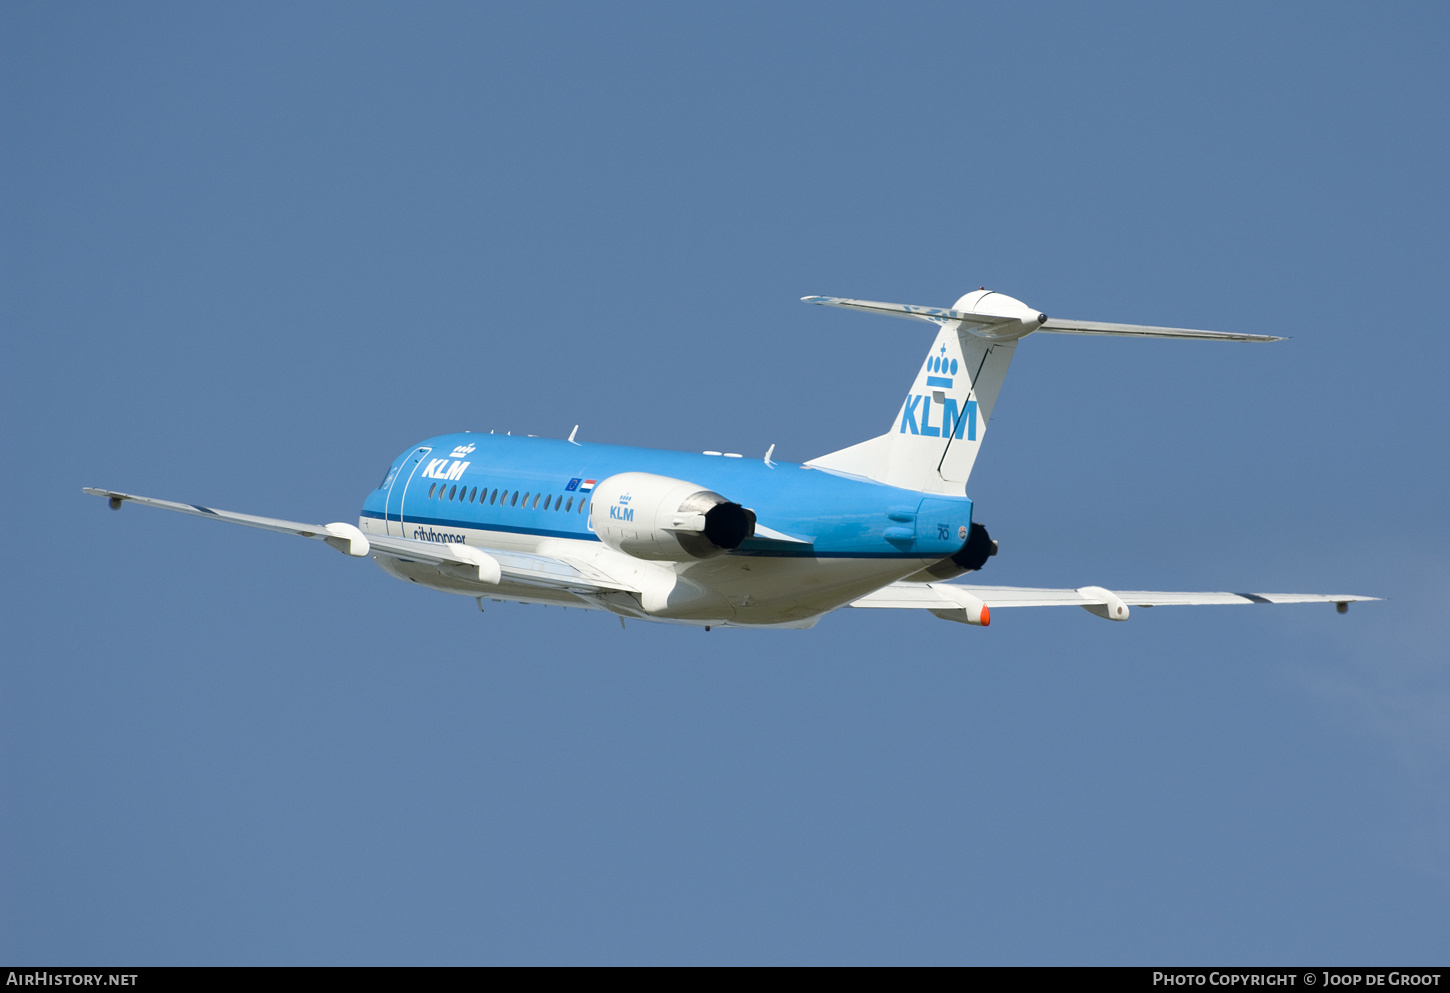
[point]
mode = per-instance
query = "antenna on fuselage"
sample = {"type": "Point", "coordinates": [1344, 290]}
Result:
{"type": "Point", "coordinates": [572, 434]}
{"type": "Point", "coordinates": [768, 453]}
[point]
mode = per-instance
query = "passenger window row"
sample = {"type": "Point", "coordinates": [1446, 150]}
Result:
{"type": "Point", "coordinates": [462, 493]}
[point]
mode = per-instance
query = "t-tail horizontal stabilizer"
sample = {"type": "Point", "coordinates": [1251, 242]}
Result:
{"type": "Point", "coordinates": [995, 323]}
{"type": "Point", "coordinates": [933, 443]}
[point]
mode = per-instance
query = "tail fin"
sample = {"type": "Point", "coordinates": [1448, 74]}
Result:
{"type": "Point", "coordinates": [933, 443]}
{"type": "Point", "coordinates": [935, 438]}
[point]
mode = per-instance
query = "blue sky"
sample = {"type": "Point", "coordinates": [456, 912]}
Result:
{"type": "Point", "coordinates": [253, 252]}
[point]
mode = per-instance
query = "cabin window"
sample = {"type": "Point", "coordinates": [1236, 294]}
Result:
{"type": "Point", "coordinates": [582, 502]}
{"type": "Point", "coordinates": [515, 501]}
{"type": "Point", "coordinates": [454, 493]}
{"type": "Point", "coordinates": [431, 488]}
{"type": "Point", "coordinates": [493, 496]}
{"type": "Point", "coordinates": [474, 495]}
{"type": "Point", "coordinates": [526, 499]}
{"type": "Point", "coordinates": [536, 503]}
{"type": "Point", "coordinates": [569, 506]}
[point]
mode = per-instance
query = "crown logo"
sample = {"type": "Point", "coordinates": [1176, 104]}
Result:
{"type": "Point", "coordinates": [624, 499]}
{"type": "Point", "coordinates": [941, 364]}
{"type": "Point", "coordinates": [462, 451]}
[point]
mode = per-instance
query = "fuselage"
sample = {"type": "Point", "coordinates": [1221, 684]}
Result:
{"type": "Point", "coordinates": [824, 539]}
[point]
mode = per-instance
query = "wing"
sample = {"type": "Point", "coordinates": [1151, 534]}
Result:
{"type": "Point", "coordinates": [973, 604]}
{"type": "Point", "coordinates": [484, 565]}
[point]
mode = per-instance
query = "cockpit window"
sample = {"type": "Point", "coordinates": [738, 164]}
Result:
{"type": "Point", "coordinates": [388, 477]}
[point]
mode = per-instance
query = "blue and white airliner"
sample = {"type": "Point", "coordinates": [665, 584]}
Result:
{"type": "Point", "coordinates": [719, 539]}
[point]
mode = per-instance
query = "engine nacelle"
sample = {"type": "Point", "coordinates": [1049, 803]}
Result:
{"type": "Point", "coordinates": [657, 517]}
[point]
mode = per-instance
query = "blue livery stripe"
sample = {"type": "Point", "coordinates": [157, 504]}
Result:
{"type": "Point", "coordinates": [445, 522]}
{"type": "Point", "coordinates": [775, 553]}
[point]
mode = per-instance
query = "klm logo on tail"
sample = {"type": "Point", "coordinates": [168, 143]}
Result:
{"type": "Point", "coordinates": [953, 421]}
{"type": "Point", "coordinates": [916, 418]}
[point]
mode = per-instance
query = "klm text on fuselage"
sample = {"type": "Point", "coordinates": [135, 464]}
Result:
{"type": "Point", "coordinates": [439, 469]}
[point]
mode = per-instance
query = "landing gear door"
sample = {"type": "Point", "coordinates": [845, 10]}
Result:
{"type": "Point", "coordinates": [942, 526]}
{"type": "Point", "coordinates": [398, 489]}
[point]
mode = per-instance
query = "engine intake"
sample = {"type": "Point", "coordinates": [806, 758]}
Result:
{"type": "Point", "coordinates": [661, 518]}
